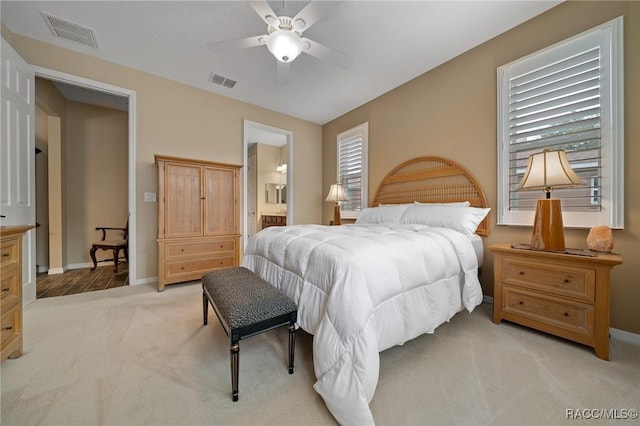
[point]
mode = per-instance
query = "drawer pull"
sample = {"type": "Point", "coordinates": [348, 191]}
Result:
{"type": "Point", "coordinates": [521, 272]}
{"type": "Point", "coordinates": [566, 314]}
{"type": "Point", "coordinates": [567, 280]}
{"type": "Point", "coordinates": [181, 249]}
{"type": "Point", "coordinates": [5, 254]}
{"type": "Point", "coordinates": [6, 289]}
{"type": "Point", "coordinates": [8, 328]}
{"type": "Point", "coordinates": [520, 302]}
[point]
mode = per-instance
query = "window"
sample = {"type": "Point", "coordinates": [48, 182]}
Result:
{"type": "Point", "coordinates": [568, 96]}
{"type": "Point", "coordinates": [352, 168]}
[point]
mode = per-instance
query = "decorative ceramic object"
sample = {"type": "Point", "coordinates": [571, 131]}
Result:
{"type": "Point", "coordinates": [600, 239]}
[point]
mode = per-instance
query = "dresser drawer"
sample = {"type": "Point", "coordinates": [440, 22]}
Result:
{"type": "Point", "coordinates": [10, 288]}
{"type": "Point", "coordinates": [565, 314]}
{"type": "Point", "coordinates": [9, 255]}
{"type": "Point", "coordinates": [195, 268]}
{"type": "Point", "coordinates": [560, 279]}
{"type": "Point", "coordinates": [179, 250]}
{"type": "Point", "coordinates": [10, 323]}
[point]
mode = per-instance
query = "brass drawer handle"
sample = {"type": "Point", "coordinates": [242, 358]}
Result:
{"type": "Point", "coordinates": [5, 255]}
{"type": "Point", "coordinates": [8, 328]}
{"type": "Point", "coordinates": [6, 289]}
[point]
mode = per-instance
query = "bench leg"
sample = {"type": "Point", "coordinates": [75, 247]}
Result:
{"type": "Point", "coordinates": [292, 345]}
{"type": "Point", "coordinates": [235, 366]}
{"type": "Point", "coordinates": [205, 307]}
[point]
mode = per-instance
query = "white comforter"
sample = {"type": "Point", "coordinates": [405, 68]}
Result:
{"type": "Point", "coordinates": [361, 289]}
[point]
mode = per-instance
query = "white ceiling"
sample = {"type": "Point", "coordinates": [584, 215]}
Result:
{"type": "Point", "coordinates": [391, 43]}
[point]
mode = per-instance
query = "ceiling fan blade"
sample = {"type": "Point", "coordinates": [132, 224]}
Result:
{"type": "Point", "coordinates": [325, 53]}
{"type": "Point", "coordinates": [263, 10]}
{"type": "Point", "coordinates": [282, 72]}
{"type": "Point", "coordinates": [312, 13]}
{"type": "Point", "coordinates": [240, 43]}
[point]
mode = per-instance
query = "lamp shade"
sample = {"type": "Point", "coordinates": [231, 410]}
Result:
{"type": "Point", "coordinates": [285, 45]}
{"type": "Point", "coordinates": [547, 170]}
{"type": "Point", "coordinates": [336, 193]}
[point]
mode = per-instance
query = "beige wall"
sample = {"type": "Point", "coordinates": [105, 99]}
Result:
{"type": "Point", "coordinates": [96, 152]}
{"type": "Point", "coordinates": [179, 120]}
{"type": "Point", "coordinates": [451, 112]}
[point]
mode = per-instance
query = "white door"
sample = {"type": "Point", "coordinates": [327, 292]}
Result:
{"type": "Point", "coordinates": [17, 158]}
{"type": "Point", "coordinates": [251, 195]}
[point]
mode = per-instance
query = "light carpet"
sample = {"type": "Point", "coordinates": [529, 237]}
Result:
{"type": "Point", "coordinates": [134, 356]}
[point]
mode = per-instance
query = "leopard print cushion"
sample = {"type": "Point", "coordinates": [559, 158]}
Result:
{"type": "Point", "coordinates": [243, 298]}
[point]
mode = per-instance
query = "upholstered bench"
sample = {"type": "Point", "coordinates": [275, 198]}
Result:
{"type": "Point", "coordinates": [247, 305]}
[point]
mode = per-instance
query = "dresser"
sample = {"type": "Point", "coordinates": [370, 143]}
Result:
{"type": "Point", "coordinates": [268, 220]}
{"type": "Point", "coordinates": [198, 218]}
{"type": "Point", "coordinates": [563, 294]}
{"type": "Point", "coordinates": [11, 278]}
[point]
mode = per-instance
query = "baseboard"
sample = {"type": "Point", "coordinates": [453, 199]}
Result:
{"type": "Point", "coordinates": [80, 265]}
{"type": "Point", "coordinates": [54, 271]}
{"type": "Point", "coordinates": [625, 336]}
{"type": "Point", "coordinates": [143, 281]}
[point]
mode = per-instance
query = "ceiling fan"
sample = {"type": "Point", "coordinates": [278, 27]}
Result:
{"type": "Point", "coordinates": [284, 37]}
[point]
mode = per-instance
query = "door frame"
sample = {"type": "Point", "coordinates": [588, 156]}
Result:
{"type": "Point", "coordinates": [247, 126]}
{"type": "Point", "coordinates": [99, 86]}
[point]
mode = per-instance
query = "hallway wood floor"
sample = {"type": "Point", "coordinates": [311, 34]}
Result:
{"type": "Point", "coordinates": [81, 281]}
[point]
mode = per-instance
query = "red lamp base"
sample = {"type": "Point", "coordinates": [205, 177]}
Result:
{"type": "Point", "coordinates": [548, 231]}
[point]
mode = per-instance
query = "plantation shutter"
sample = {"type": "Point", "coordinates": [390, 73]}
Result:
{"type": "Point", "coordinates": [558, 106]}
{"type": "Point", "coordinates": [350, 171]}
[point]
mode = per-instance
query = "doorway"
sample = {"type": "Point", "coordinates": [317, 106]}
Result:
{"type": "Point", "coordinates": [105, 105]}
{"type": "Point", "coordinates": [267, 183]}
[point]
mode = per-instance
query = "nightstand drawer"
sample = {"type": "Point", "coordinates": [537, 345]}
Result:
{"type": "Point", "coordinates": [572, 316]}
{"type": "Point", "coordinates": [560, 279]}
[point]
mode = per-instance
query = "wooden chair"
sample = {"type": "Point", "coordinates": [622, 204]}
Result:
{"type": "Point", "coordinates": [114, 245]}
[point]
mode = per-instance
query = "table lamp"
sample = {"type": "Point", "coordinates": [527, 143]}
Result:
{"type": "Point", "coordinates": [548, 170]}
{"type": "Point", "coordinates": [336, 195]}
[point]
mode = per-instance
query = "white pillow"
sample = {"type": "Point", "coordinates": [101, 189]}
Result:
{"type": "Point", "coordinates": [455, 203]}
{"type": "Point", "coordinates": [460, 218]}
{"type": "Point", "coordinates": [389, 213]}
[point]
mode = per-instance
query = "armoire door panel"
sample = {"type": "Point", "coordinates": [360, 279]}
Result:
{"type": "Point", "coordinates": [220, 202]}
{"type": "Point", "coordinates": [183, 200]}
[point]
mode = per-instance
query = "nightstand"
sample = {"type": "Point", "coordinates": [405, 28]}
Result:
{"type": "Point", "coordinates": [566, 295]}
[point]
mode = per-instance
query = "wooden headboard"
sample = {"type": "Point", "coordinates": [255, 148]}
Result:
{"type": "Point", "coordinates": [432, 180]}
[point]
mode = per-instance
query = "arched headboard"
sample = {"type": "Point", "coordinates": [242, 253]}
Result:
{"type": "Point", "coordinates": [432, 180]}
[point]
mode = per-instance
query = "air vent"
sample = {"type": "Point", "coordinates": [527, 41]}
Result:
{"type": "Point", "coordinates": [221, 80]}
{"type": "Point", "coordinates": [68, 30]}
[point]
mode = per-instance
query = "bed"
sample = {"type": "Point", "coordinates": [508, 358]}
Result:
{"type": "Point", "coordinates": [407, 265]}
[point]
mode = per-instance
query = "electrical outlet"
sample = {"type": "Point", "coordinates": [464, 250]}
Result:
{"type": "Point", "coordinates": [149, 197]}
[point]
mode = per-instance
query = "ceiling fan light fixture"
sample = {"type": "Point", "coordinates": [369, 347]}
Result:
{"type": "Point", "coordinates": [285, 45]}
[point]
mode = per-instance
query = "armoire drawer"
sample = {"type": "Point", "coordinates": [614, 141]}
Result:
{"type": "Point", "coordinates": [182, 249]}
{"type": "Point", "coordinates": [196, 268]}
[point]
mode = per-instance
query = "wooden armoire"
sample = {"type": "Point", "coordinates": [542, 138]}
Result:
{"type": "Point", "coordinates": [198, 218]}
